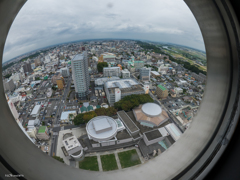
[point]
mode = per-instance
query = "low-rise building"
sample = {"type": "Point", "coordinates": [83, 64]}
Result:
{"type": "Point", "coordinates": [72, 148]}
{"type": "Point", "coordinates": [161, 91]}
{"type": "Point", "coordinates": [36, 110]}
{"type": "Point", "coordinates": [65, 72]}
{"type": "Point", "coordinates": [155, 74]}
{"type": "Point", "coordinates": [67, 116]}
{"type": "Point", "coordinates": [117, 89]}
{"type": "Point", "coordinates": [43, 133]}
{"type": "Point", "coordinates": [125, 74]}
{"type": "Point", "coordinates": [111, 71]}
{"type": "Point", "coordinates": [55, 77]}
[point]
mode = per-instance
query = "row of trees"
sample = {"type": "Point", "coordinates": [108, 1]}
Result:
{"type": "Point", "coordinates": [101, 65]}
{"type": "Point", "coordinates": [132, 101]}
{"type": "Point", "coordinates": [8, 75]}
{"type": "Point", "coordinates": [84, 118]}
{"type": "Point", "coordinates": [58, 158]}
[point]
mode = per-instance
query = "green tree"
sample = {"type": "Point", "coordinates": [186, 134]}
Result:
{"type": "Point", "coordinates": [78, 119]}
{"type": "Point", "coordinates": [8, 75]}
{"type": "Point", "coordinates": [58, 158]}
{"type": "Point", "coordinates": [101, 65]}
{"type": "Point", "coordinates": [54, 88]}
{"type": "Point", "coordinates": [100, 111]}
{"type": "Point", "coordinates": [88, 116]}
{"type": "Point", "coordinates": [132, 101]}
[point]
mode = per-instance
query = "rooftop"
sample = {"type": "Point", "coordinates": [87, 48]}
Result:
{"type": "Point", "coordinates": [153, 134]}
{"type": "Point", "coordinates": [151, 109]}
{"type": "Point", "coordinates": [42, 129]}
{"type": "Point", "coordinates": [78, 57]}
{"type": "Point", "coordinates": [161, 87]}
{"type": "Point", "coordinates": [121, 83]}
{"type": "Point", "coordinates": [101, 127]}
{"type": "Point", "coordinates": [127, 121]}
{"type": "Point", "coordinates": [65, 114]}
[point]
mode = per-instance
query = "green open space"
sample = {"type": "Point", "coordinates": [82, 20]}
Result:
{"type": "Point", "coordinates": [89, 163]}
{"type": "Point", "coordinates": [129, 158]}
{"type": "Point", "coordinates": [109, 162]}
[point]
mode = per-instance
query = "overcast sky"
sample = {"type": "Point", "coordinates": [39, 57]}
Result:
{"type": "Point", "coordinates": [42, 23]}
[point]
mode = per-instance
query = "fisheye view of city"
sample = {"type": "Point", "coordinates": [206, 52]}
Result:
{"type": "Point", "coordinates": [104, 104]}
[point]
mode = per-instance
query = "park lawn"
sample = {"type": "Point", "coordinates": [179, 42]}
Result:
{"type": "Point", "coordinates": [89, 163]}
{"type": "Point", "coordinates": [129, 158]}
{"type": "Point", "coordinates": [109, 162]}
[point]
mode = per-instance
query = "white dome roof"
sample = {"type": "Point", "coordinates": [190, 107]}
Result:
{"type": "Point", "coordinates": [102, 128]}
{"type": "Point", "coordinates": [151, 109]}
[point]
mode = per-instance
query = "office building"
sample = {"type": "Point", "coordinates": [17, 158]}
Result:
{"type": "Point", "coordinates": [37, 62]}
{"type": "Point", "coordinates": [80, 74]}
{"type": "Point", "coordinates": [27, 67]}
{"type": "Point", "coordinates": [111, 71]}
{"type": "Point", "coordinates": [64, 72]}
{"type": "Point", "coordinates": [138, 65]}
{"type": "Point", "coordinates": [145, 74]}
{"type": "Point", "coordinates": [9, 85]}
{"type": "Point", "coordinates": [161, 91]}
{"type": "Point", "coordinates": [125, 74]}
{"type": "Point", "coordinates": [117, 89]}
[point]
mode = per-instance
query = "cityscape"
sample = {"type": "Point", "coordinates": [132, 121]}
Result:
{"type": "Point", "coordinates": [105, 104]}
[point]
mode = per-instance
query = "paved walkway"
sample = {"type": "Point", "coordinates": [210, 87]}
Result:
{"type": "Point", "coordinates": [99, 162]}
{"type": "Point", "coordinates": [118, 161]}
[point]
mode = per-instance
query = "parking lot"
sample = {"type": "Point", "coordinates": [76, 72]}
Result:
{"type": "Point", "coordinates": [173, 104]}
{"type": "Point", "coordinates": [51, 108]}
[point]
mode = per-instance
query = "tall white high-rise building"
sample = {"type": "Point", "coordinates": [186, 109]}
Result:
{"type": "Point", "coordinates": [80, 74]}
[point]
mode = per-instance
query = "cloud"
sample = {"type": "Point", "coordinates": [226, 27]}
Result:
{"type": "Point", "coordinates": [43, 23]}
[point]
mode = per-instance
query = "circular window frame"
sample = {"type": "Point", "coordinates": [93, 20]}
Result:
{"type": "Point", "coordinates": [199, 148]}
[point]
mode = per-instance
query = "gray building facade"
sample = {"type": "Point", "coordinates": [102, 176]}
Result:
{"type": "Point", "coordinates": [111, 71]}
{"type": "Point", "coordinates": [80, 74]}
{"type": "Point", "coordinates": [145, 74]}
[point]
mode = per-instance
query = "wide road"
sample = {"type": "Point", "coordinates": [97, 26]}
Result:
{"type": "Point", "coordinates": [60, 104]}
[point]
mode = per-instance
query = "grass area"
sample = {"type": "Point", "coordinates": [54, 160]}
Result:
{"type": "Point", "coordinates": [129, 158]}
{"type": "Point", "coordinates": [89, 163]}
{"type": "Point", "coordinates": [109, 162]}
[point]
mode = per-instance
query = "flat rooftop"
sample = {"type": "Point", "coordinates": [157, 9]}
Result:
{"type": "Point", "coordinates": [123, 135]}
{"type": "Point", "coordinates": [153, 134]}
{"type": "Point", "coordinates": [142, 128]}
{"type": "Point", "coordinates": [127, 121]}
{"type": "Point", "coordinates": [78, 57]}
{"type": "Point", "coordinates": [42, 129]}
